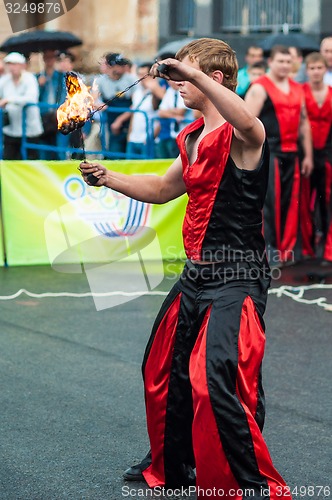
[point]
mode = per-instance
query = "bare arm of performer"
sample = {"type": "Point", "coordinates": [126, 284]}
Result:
{"type": "Point", "coordinates": [218, 104]}
{"type": "Point", "coordinates": [148, 188]}
{"type": "Point", "coordinates": [307, 164]}
{"type": "Point", "coordinates": [255, 98]}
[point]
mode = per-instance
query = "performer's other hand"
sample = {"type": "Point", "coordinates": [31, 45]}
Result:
{"type": "Point", "coordinates": [96, 170]}
{"type": "Point", "coordinates": [176, 70]}
{"type": "Point", "coordinates": [307, 166]}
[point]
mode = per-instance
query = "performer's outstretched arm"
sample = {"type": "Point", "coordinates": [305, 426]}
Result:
{"type": "Point", "coordinates": [147, 188]}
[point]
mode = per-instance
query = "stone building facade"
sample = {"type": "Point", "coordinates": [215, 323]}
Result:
{"type": "Point", "coordinates": [126, 26]}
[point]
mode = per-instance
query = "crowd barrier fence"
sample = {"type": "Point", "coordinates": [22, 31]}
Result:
{"type": "Point", "coordinates": [49, 216]}
{"type": "Point", "coordinates": [63, 148]}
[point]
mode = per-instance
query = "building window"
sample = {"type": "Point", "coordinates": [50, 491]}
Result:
{"type": "Point", "coordinates": [247, 16]}
{"type": "Point", "coordinates": [183, 16]}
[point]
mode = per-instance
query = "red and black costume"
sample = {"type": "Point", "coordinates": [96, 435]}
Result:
{"type": "Point", "coordinates": [202, 365]}
{"type": "Point", "coordinates": [280, 115]}
{"type": "Point", "coordinates": [316, 191]}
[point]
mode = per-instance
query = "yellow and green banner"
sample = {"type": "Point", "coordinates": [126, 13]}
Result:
{"type": "Point", "coordinates": [2, 241]}
{"type": "Point", "coordinates": [50, 216]}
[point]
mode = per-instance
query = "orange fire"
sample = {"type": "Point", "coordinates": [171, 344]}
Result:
{"type": "Point", "coordinates": [77, 108]}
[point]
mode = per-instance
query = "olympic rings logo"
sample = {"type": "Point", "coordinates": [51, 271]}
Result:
{"type": "Point", "coordinates": [111, 213]}
{"type": "Point", "coordinates": [75, 188]}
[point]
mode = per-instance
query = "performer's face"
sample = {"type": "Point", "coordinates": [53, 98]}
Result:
{"type": "Point", "coordinates": [316, 71]}
{"type": "Point", "coordinates": [326, 51]}
{"type": "Point", "coordinates": [115, 72]}
{"type": "Point", "coordinates": [281, 65]}
{"type": "Point", "coordinates": [254, 54]}
{"type": "Point", "coordinates": [15, 69]}
{"type": "Point", "coordinates": [192, 97]}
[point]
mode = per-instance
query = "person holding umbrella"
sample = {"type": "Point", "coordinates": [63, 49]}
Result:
{"type": "Point", "coordinates": [19, 87]}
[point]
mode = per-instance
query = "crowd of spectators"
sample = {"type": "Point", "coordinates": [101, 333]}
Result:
{"type": "Point", "coordinates": [294, 102]}
{"type": "Point", "coordinates": [143, 122]}
{"type": "Point", "coordinates": [138, 123]}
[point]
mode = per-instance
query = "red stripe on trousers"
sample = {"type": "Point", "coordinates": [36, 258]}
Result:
{"type": "Point", "coordinates": [328, 182]}
{"type": "Point", "coordinates": [306, 222]}
{"type": "Point", "coordinates": [251, 342]}
{"type": "Point", "coordinates": [212, 467]}
{"type": "Point", "coordinates": [277, 202]}
{"type": "Point", "coordinates": [290, 231]}
{"type": "Point", "coordinates": [156, 388]}
{"type": "Point", "coordinates": [328, 244]}
{"type": "Point", "coordinates": [328, 186]}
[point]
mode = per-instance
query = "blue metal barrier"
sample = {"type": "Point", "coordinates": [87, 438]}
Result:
{"type": "Point", "coordinates": [63, 148]}
{"type": "Point", "coordinates": [104, 131]}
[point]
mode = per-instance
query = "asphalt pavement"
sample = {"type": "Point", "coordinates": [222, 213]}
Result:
{"type": "Point", "coordinates": [71, 400]}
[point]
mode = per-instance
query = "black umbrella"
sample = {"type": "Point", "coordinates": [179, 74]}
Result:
{"type": "Point", "coordinates": [172, 47]}
{"type": "Point", "coordinates": [303, 42]}
{"type": "Point", "coordinates": [39, 40]}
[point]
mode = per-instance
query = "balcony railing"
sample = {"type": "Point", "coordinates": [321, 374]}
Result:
{"type": "Point", "coordinates": [260, 15]}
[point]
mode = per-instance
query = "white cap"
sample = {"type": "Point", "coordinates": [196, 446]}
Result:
{"type": "Point", "coordinates": [15, 58]}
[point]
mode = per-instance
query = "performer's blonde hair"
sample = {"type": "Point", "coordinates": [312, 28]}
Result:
{"type": "Point", "coordinates": [211, 55]}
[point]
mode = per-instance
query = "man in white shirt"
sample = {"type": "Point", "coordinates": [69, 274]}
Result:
{"type": "Point", "coordinates": [114, 80]}
{"type": "Point", "coordinates": [19, 87]}
{"type": "Point", "coordinates": [172, 111]}
{"type": "Point", "coordinates": [326, 51]}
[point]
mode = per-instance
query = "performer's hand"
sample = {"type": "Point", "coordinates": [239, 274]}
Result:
{"type": "Point", "coordinates": [307, 166]}
{"type": "Point", "coordinates": [175, 70]}
{"type": "Point", "coordinates": [97, 170]}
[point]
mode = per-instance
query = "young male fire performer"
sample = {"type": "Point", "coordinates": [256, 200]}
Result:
{"type": "Point", "coordinates": [202, 365]}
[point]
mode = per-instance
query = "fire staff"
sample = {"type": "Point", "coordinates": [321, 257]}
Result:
{"type": "Point", "coordinates": [202, 365]}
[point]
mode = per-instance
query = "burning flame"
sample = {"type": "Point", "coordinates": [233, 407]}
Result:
{"type": "Point", "coordinates": [78, 106]}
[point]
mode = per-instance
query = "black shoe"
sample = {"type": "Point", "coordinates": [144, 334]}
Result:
{"type": "Point", "coordinates": [134, 473]}
{"type": "Point", "coordinates": [185, 477]}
